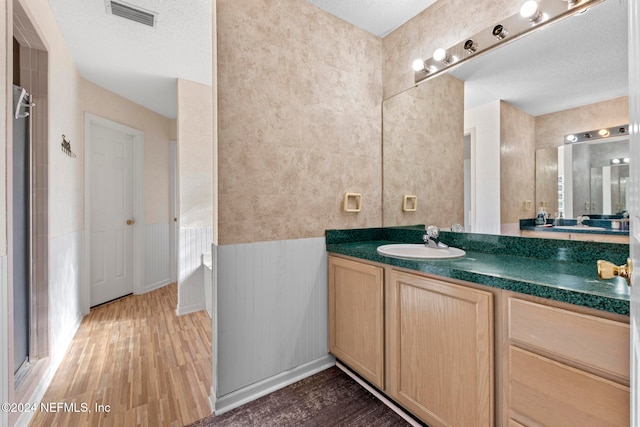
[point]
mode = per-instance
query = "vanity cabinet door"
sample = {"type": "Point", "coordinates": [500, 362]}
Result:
{"type": "Point", "coordinates": [356, 317]}
{"type": "Point", "coordinates": [441, 350]}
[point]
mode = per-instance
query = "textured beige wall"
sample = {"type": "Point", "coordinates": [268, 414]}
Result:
{"type": "Point", "coordinates": [299, 99]}
{"type": "Point", "coordinates": [551, 128]}
{"type": "Point", "coordinates": [517, 165]}
{"type": "Point", "coordinates": [424, 154]}
{"type": "Point", "coordinates": [546, 180]}
{"type": "Point", "coordinates": [443, 24]}
{"type": "Point", "coordinates": [195, 154]}
{"type": "Point", "coordinates": [104, 103]}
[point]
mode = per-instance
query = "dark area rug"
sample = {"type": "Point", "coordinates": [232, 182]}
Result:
{"type": "Point", "coordinates": [328, 398]}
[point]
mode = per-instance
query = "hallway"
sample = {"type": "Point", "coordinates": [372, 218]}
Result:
{"type": "Point", "coordinates": [134, 362]}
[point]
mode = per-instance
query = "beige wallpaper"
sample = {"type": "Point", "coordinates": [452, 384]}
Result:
{"type": "Point", "coordinates": [517, 165]}
{"type": "Point", "coordinates": [299, 105]}
{"type": "Point", "coordinates": [195, 154]}
{"type": "Point", "coordinates": [443, 24]}
{"type": "Point", "coordinates": [101, 102]}
{"type": "Point", "coordinates": [424, 154]}
{"type": "Point", "coordinates": [551, 128]}
{"type": "Point", "coordinates": [546, 180]}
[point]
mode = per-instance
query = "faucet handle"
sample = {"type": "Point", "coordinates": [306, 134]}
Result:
{"type": "Point", "coordinates": [457, 228]}
{"type": "Point", "coordinates": [433, 231]}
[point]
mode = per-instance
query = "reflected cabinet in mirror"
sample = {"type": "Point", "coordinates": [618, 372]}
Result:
{"type": "Point", "coordinates": [478, 145]}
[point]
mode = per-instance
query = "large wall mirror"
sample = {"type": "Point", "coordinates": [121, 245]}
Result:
{"type": "Point", "coordinates": [474, 145]}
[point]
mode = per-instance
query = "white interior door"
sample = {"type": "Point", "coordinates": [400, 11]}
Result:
{"type": "Point", "coordinates": [111, 209]}
{"type": "Point", "coordinates": [634, 202]}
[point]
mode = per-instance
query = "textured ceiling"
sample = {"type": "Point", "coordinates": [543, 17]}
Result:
{"type": "Point", "coordinates": [135, 61]}
{"type": "Point", "coordinates": [378, 17]}
{"type": "Point", "coordinates": [574, 62]}
{"type": "Point", "coordinates": [578, 61]}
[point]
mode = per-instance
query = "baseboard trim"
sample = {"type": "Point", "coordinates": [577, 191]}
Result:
{"type": "Point", "coordinates": [271, 384]}
{"type": "Point", "coordinates": [395, 408]}
{"type": "Point", "coordinates": [180, 311]}
{"type": "Point", "coordinates": [157, 285]}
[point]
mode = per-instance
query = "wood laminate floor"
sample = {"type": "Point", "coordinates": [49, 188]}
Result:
{"type": "Point", "coordinates": [150, 366]}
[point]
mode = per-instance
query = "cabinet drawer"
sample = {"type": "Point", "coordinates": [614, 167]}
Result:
{"type": "Point", "coordinates": [589, 341]}
{"type": "Point", "coordinates": [545, 392]}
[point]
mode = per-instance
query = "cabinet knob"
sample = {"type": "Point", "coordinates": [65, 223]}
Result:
{"type": "Point", "coordinates": [608, 270]}
{"type": "Point", "coordinates": [131, 221]}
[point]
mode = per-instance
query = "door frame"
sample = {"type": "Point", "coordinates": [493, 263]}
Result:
{"type": "Point", "coordinates": [174, 208]}
{"type": "Point", "coordinates": [138, 205]}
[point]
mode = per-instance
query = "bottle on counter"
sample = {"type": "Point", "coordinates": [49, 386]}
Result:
{"type": "Point", "coordinates": [541, 219]}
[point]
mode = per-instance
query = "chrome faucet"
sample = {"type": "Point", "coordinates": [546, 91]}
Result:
{"type": "Point", "coordinates": [580, 220]}
{"type": "Point", "coordinates": [430, 238]}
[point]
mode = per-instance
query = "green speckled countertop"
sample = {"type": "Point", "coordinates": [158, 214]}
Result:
{"type": "Point", "coordinates": [561, 270]}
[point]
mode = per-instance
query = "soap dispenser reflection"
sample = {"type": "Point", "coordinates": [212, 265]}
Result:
{"type": "Point", "coordinates": [542, 216]}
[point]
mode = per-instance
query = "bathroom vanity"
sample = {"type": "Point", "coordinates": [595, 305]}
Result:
{"type": "Point", "coordinates": [600, 231]}
{"type": "Point", "coordinates": [518, 332]}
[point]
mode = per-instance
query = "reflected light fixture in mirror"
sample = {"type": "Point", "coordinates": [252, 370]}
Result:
{"type": "Point", "coordinates": [528, 19]}
{"type": "Point", "coordinates": [594, 135]}
{"type": "Point", "coordinates": [624, 160]}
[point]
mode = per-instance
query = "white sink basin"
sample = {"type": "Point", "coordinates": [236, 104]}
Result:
{"type": "Point", "coordinates": [419, 251]}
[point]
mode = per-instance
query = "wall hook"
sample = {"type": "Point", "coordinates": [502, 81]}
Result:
{"type": "Point", "coordinates": [66, 147]}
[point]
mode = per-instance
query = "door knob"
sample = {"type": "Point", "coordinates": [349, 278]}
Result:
{"type": "Point", "coordinates": [131, 221]}
{"type": "Point", "coordinates": [608, 270]}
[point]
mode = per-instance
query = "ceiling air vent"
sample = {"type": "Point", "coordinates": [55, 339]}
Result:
{"type": "Point", "coordinates": [132, 13]}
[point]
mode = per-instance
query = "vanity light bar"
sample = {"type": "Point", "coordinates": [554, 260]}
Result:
{"type": "Point", "coordinates": [508, 30]}
{"type": "Point", "coordinates": [620, 161]}
{"type": "Point", "coordinates": [594, 135]}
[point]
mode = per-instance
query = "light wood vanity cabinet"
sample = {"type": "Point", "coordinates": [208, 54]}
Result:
{"type": "Point", "coordinates": [563, 367]}
{"type": "Point", "coordinates": [583, 237]}
{"type": "Point", "coordinates": [440, 350]}
{"type": "Point", "coordinates": [457, 355]}
{"type": "Point", "coordinates": [356, 317]}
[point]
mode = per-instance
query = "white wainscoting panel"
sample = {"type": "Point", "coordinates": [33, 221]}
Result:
{"type": "Point", "coordinates": [157, 262]}
{"type": "Point", "coordinates": [4, 340]}
{"type": "Point", "coordinates": [193, 242]}
{"type": "Point", "coordinates": [271, 314]}
{"type": "Point", "coordinates": [65, 311]}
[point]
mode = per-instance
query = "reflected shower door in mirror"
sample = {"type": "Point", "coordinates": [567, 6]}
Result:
{"type": "Point", "coordinates": [517, 99]}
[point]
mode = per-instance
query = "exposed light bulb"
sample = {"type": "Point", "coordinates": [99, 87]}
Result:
{"type": "Point", "coordinates": [603, 132]}
{"type": "Point", "coordinates": [418, 65]}
{"type": "Point", "coordinates": [615, 161]}
{"type": "Point", "coordinates": [529, 10]}
{"type": "Point", "coordinates": [572, 138]}
{"type": "Point", "coordinates": [626, 160]}
{"type": "Point", "coordinates": [439, 54]}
